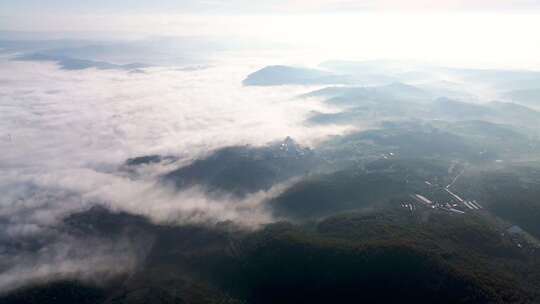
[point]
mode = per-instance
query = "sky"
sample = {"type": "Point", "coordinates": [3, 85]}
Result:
{"type": "Point", "coordinates": [247, 6]}
{"type": "Point", "coordinates": [28, 15]}
{"type": "Point", "coordinates": [478, 33]}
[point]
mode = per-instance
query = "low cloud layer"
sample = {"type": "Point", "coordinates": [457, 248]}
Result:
{"type": "Point", "coordinates": [72, 130]}
{"type": "Point", "coordinates": [66, 134]}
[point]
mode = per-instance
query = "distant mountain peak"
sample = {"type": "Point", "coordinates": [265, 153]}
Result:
{"type": "Point", "coordinates": [289, 75]}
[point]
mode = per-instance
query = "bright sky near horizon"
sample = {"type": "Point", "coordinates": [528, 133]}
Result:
{"type": "Point", "coordinates": [476, 32]}
{"type": "Point", "coordinates": [248, 6]}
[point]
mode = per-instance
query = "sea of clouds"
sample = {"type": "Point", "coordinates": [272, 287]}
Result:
{"type": "Point", "coordinates": [65, 134]}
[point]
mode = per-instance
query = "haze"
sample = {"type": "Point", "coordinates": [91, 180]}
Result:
{"type": "Point", "coordinates": [324, 151]}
